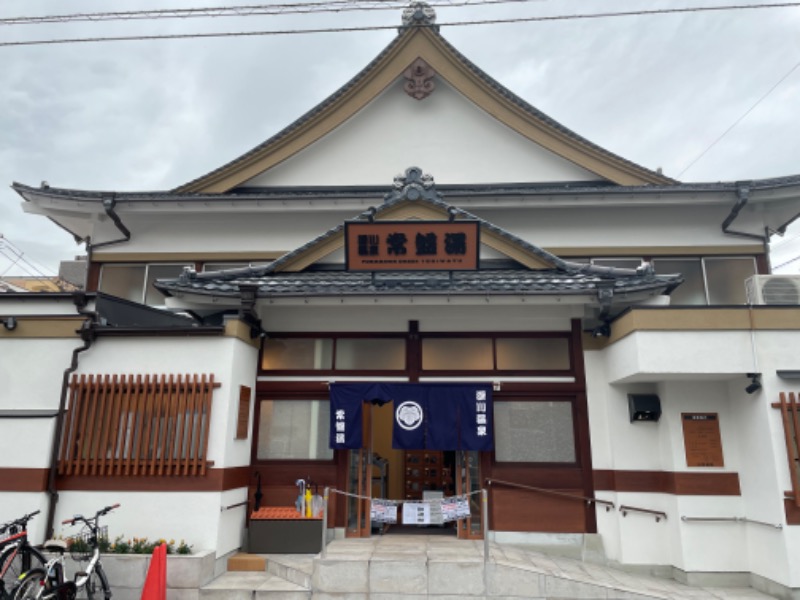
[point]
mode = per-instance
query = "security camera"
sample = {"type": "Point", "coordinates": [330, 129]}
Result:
{"type": "Point", "coordinates": [10, 323]}
{"type": "Point", "coordinates": [755, 383]}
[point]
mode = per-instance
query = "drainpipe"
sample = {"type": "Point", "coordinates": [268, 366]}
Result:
{"type": "Point", "coordinates": [742, 195]}
{"type": "Point", "coordinates": [88, 336]}
{"type": "Point", "coordinates": [109, 204]}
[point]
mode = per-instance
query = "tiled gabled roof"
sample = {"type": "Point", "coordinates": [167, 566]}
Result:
{"type": "Point", "coordinates": [552, 282]}
{"type": "Point", "coordinates": [564, 277]}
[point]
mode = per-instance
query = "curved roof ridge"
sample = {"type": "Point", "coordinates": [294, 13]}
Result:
{"type": "Point", "coordinates": [319, 108]}
{"type": "Point", "coordinates": [405, 34]}
{"type": "Point", "coordinates": [528, 107]}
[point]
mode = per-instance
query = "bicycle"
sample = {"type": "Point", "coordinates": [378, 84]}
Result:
{"type": "Point", "coordinates": [50, 583]}
{"type": "Point", "coordinates": [17, 555]}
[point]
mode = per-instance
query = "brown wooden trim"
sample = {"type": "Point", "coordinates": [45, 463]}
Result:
{"type": "Point", "coordinates": [581, 423]}
{"type": "Point", "coordinates": [791, 427]}
{"type": "Point", "coordinates": [106, 413]}
{"type": "Point", "coordinates": [23, 480]}
{"type": "Point", "coordinates": [93, 276]}
{"type": "Point", "coordinates": [214, 480]}
{"type": "Point", "coordinates": [792, 512]}
{"type": "Point", "coordinates": [43, 327]}
{"type": "Point", "coordinates": [742, 318]}
{"type": "Point", "coordinates": [668, 482]}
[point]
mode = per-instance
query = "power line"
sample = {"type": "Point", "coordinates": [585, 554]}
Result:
{"type": "Point", "coordinates": [242, 11]}
{"type": "Point", "coordinates": [740, 119]}
{"type": "Point", "coordinates": [788, 262]}
{"type": "Point", "coordinates": [18, 259]}
{"type": "Point", "coordinates": [664, 11]}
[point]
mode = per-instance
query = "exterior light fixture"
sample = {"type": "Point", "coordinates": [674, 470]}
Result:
{"type": "Point", "coordinates": [10, 323]}
{"type": "Point", "coordinates": [603, 330]}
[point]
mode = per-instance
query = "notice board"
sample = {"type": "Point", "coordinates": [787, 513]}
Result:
{"type": "Point", "coordinates": [702, 440]}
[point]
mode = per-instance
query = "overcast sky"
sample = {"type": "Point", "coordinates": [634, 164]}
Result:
{"type": "Point", "coordinates": [151, 115]}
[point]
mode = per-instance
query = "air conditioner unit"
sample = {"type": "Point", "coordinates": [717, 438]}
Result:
{"type": "Point", "coordinates": [773, 289]}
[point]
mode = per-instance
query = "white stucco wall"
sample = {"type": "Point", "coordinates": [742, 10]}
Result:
{"type": "Point", "coordinates": [294, 223]}
{"type": "Point", "coordinates": [33, 380]}
{"type": "Point", "coordinates": [697, 372]}
{"type": "Point", "coordinates": [444, 134]}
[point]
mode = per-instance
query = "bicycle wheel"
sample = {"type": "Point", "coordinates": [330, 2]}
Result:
{"type": "Point", "coordinates": [13, 564]}
{"type": "Point", "coordinates": [30, 586]}
{"type": "Point", "coordinates": [96, 587]}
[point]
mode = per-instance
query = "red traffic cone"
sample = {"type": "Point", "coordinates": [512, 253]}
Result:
{"type": "Point", "coordinates": [155, 585]}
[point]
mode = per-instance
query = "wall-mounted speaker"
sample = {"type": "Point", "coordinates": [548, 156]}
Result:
{"type": "Point", "coordinates": [644, 407]}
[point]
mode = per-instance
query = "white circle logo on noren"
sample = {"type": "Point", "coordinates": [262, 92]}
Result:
{"type": "Point", "coordinates": [409, 415]}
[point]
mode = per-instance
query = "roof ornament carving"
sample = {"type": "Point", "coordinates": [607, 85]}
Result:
{"type": "Point", "coordinates": [418, 14]}
{"type": "Point", "coordinates": [414, 185]}
{"type": "Point", "coordinates": [419, 79]}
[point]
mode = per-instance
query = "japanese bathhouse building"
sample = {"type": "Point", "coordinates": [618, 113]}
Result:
{"type": "Point", "coordinates": [421, 288]}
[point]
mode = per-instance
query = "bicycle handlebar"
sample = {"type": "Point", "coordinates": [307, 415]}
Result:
{"type": "Point", "coordinates": [22, 521]}
{"type": "Point", "coordinates": [99, 513]}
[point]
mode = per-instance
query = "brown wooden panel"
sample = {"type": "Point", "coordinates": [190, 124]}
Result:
{"type": "Point", "coordinates": [22, 480]}
{"type": "Point", "coordinates": [792, 512]}
{"type": "Point", "coordinates": [535, 476]}
{"type": "Point", "coordinates": [243, 420]}
{"type": "Point", "coordinates": [668, 482]}
{"type": "Point", "coordinates": [522, 510]}
{"type": "Point", "coordinates": [706, 484]}
{"type": "Point", "coordinates": [215, 480]}
{"type": "Point", "coordinates": [156, 426]}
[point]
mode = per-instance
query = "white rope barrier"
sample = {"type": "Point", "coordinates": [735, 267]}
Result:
{"type": "Point", "coordinates": [393, 501]}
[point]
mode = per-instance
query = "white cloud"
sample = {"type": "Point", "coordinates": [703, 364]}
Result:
{"type": "Point", "coordinates": [152, 115]}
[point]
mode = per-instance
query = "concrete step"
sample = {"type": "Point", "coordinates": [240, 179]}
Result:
{"type": "Point", "coordinates": [242, 561]}
{"type": "Point", "coordinates": [246, 585]}
{"type": "Point", "coordinates": [297, 568]}
{"type": "Point", "coordinates": [438, 568]}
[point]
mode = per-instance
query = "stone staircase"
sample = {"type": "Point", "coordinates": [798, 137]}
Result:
{"type": "Point", "coordinates": [438, 568]}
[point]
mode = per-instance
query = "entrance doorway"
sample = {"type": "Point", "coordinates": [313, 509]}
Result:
{"type": "Point", "coordinates": [382, 472]}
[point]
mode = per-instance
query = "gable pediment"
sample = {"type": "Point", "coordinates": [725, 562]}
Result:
{"type": "Point", "coordinates": [471, 83]}
{"type": "Point", "coordinates": [415, 198]}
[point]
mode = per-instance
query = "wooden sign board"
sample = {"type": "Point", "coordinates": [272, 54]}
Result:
{"type": "Point", "coordinates": [412, 246]}
{"type": "Point", "coordinates": [702, 440]}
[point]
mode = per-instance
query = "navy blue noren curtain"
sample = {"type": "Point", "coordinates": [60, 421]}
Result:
{"type": "Point", "coordinates": [439, 416]}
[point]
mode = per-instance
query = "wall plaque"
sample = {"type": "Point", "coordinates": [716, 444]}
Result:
{"type": "Point", "coordinates": [412, 245]}
{"type": "Point", "coordinates": [702, 440]}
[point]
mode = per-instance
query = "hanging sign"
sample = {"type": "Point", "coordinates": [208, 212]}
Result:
{"type": "Point", "coordinates": [416, 513]}
{"type": "Point", "coordinates": [383, 511]}
{"type": "Point", "coordinates": [412, 245]}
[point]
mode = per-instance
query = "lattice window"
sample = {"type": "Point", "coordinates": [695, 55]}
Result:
{"type": "Point", "coordinates": [137, 425]}
{"type": "Point", "coordinates": [790, 411]}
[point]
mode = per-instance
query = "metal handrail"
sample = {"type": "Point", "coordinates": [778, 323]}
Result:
{"type": "Point", "coordinates": [232, 506]}
{"type": "Point", "coordinates": [607, 504]}
{"type": "Point", "coordinates": [656, 513]}
{"type": "Point", "coordinates": [730, 520]}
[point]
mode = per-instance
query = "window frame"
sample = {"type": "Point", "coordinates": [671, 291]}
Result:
{"type": "Point", "coordinates": [146, 266]}
{"type": "Point", "coordinates": [533, 398]}
{"type": "Point", "coordinates": [566, 335]}
{"type": "Point", "coordinates": [293, 462]}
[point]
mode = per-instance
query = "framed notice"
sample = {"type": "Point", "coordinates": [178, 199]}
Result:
{"type": "Point", "coordinates": [412, 245]}
{"type": "Point", "coordinates": [702, 440]}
